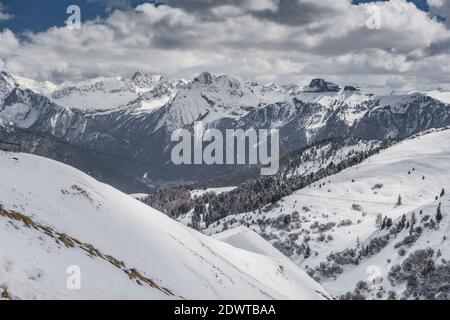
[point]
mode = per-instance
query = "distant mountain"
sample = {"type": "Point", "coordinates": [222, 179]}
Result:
{"type": "Point", "coordinates": [320, 85]}
{"type": "Point", "coordinates": [134, 118]}
{"type": "Point", "coordinates": [7, 85]}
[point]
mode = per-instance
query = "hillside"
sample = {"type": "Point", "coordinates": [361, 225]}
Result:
{"type": "Point", "coordinates": [244, 238]}
{"type": "Point", "coordinates": [53, 217]}
{"type": "Point", "coordinates": [340, 212]}
{"type": "Point", "coordinates": [411, 261]}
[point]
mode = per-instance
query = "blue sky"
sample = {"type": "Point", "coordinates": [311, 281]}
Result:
{"type": "Point", "coordinates": [39, 15]}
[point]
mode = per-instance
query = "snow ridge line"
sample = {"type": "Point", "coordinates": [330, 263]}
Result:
{"type": "Point", "coordinates": [71, 242]}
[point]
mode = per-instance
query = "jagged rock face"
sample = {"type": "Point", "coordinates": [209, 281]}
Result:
{"type": "Point", "coordinates": [403, 118]}
{"type": "Point", "coordinates": [144, 80]}
{"type": "Point", "coordinates": [350, 88]}
{"type": "Point", "coordinates": [107, 86]}
{"type": "Point", "coordinates": [34, 113]}
{"type": "Point", "coordinates": [156, 92]}
{"type": "Point", "coordinates": [140, 130]}
{"type": "Point", "coordinates": [320, 85]}
{"type": "Point", "coordinates": [6, 85]}
{"type": "Point", "coordinates": [205, 78]}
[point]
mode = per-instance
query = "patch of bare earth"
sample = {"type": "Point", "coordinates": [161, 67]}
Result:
{"type": "Point", "coordinates": [71, 242]}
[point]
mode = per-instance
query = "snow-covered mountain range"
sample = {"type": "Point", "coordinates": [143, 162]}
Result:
{"type": "Point", "coordinates": [133, 119]}
{"type": "Point", "coordinates": [359, 203]}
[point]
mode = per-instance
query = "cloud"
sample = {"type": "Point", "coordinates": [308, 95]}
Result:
{"type": "Point", "coordinates": [285, 12]}
{"type": "Point", "coordinates": [441, 8]}
{"type": "Point", "coordinates": [113, 4]}
{"type": "Point", "coordinates": [266, 40]}
{"type": "Point", "coordinates": [436, 3]}
{"type": "Point", "coordinates": [4, 16]}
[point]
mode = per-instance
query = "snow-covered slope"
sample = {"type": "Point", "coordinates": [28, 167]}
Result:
{"type": "Point", "coordinates": [443, 96]}
{"type": "Point", "coordinates": [410, 262]}
{"type": "Point", "coordinates": [142, 92]}
{"type": "Point", "coordinates": [45, 88]}
{"type": "Point", "coordinates": [416, 169]}
{"type": "Point", "coordinates": [200, 192]}
{"type": "Point", "coordinates": [99, 93]}
{"type": "Point", "coordinates": [124, 249]}
{"type": "Point", "coordinates": [340, 211]}
{"type": "Point", "coordinates": [247, 239]}
{"type": "Point", "coordinates": [209, 98]}
{"type": "Point", "coordinates": [322, 155]}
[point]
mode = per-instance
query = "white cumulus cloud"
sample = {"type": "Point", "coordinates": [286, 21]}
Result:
{"type": "Point", "coordinates": [270, 40]}
{"type": "Point", "coordinates": [3, 14]}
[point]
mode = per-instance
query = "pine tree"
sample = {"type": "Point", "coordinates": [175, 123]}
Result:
{"type": "Point", "coordinates": [399, 200]}
{"type": "Point", "coordinates": [402, 223]}
{"type": "Point", "coordinates": [379, 222]}
{"type": "Point", "coordinates": [307, 251]}
{"type": "Point", "coordinates": [388, 223]}
{"type": "Point", "coordinates": [413, 218]}
{"type": "Point", "coordinates": [438, 214]}
{"type": "Point", "coordinates": [442, 192]}
{"type": "Point", "coordinates": [383, 224]}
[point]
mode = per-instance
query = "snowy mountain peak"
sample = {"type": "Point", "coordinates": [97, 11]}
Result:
{"type": "Point", "coordinates": [102, 84]}
{"type": "Point", "coordinates": [228, 81]}
{"type": "Point", "coordinates": [351, 88]}
{"type": "Point", "coordinates": [270, 87]}
{"type": "Point", "coordinates": [138, 74]}
{"type": "Point", "coordinates": [7, 84]}
{"type": "Point", "coordinates": [320, 85]}
{"type": "Point", "coordinates": [146, 81]}
{"type": "Point", "coordinates": [98, 93]}
{"type": "Point", "coordinates": [205, 78]}
{"type": "Point", "coordinates": [6, 77]}
{"type": "Point", "coordinates": [291, 87]}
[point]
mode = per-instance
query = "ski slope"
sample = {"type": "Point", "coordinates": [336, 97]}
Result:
{"type": "Point", "coordinates": [54, 217]}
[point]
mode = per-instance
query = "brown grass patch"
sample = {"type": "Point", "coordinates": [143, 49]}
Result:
{"type": "Point", "coordinates": [70, 242]}
{"type": "Point", "coordinates": [4, 293]}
